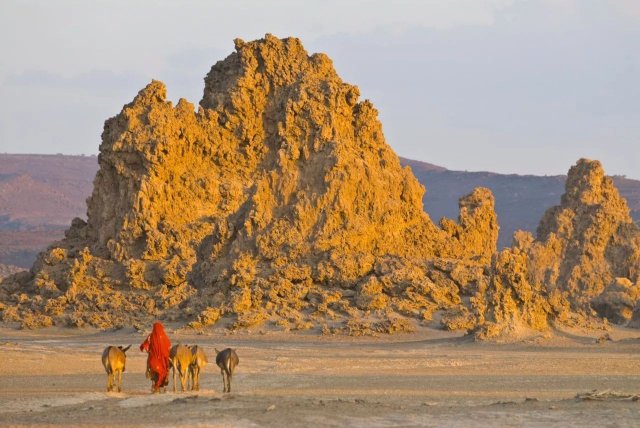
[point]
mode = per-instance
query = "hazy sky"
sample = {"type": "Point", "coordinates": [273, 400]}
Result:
{"type": "Point", "coordinates": [511, 86]}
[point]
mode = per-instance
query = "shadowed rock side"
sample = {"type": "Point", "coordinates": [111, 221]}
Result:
{"type": "Point", "coordinates": [278, 200]}
{"type": "Point", "coordinates": [584, 263]}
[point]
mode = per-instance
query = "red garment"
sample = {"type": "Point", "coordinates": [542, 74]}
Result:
{"type": "Point", "coordinates": [157, 345]}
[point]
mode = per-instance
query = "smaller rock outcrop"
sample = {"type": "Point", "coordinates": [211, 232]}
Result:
{"type": "Point", "coordinates": [588, 240]}
{"type": "Point", "coordinates": [582, 264]}
{"type": "Point", "coordinates": [635, 317]}
{"type": "Point", "coordinates": [512, 306]}
{"type": "Point", "coordinates": [476, 232]}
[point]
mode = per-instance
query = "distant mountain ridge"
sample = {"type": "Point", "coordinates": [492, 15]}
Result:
{"type": "Point", "coordinates": [521, 200]}
{"type": "Point", "coordinates": [41, 194]}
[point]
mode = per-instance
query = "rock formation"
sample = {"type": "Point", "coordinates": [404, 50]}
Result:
{"type": "Point", "coordinates": [618, 300]}
{"type": "Point", "coordinates": [583, 263]}
{"type": "Point", "coordinates": [277, 200]}
{"type": "Point", "coordinates": [512, 307]}
{"type": "Point", "coordinates": [588, 240]}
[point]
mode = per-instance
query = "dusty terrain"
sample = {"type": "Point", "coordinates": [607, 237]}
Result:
{"type": "Point", "coordinates": [431, 378]}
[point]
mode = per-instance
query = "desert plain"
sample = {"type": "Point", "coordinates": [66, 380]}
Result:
{"type": "Point", "coordinates": [54, 377]}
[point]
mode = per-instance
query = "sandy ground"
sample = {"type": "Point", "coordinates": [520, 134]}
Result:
{"type": "Point", "coordinates": [431, 378]}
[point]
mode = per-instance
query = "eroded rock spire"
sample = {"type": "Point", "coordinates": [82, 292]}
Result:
{"type": "Point", "coordinates": [278, 199]}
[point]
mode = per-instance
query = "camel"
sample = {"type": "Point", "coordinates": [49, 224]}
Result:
{"type": "Point", "coordinates": [180, 359]}
{"type": "Point", "coordinates": [113, 360]}
{"type": "Point", "coordinates": [198, 361]}
{"type": "Point", "coordinates": [227, 360]}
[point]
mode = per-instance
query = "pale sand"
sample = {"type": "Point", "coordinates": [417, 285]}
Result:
{"type": "Point", "coordinates": [431, 378]}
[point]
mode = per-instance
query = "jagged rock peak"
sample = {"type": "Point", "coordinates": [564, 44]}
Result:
{"type": "Point", "coordinates": [477, 228]}
{"type": "Point", "coordinates": [155, 91]}
{"type": "Point", "coordinates": [264, 65]}
{"type": "Point", "coordinates": [277, 200]}
{"type": "Point", "coordinates": [589, 239]}
{"type": "Point", "coordinates": [584, 263]}
{"type": "Point", "coordinates": [587, 184]}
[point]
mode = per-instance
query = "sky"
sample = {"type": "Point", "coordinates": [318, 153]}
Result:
{"type": "Point", "coordinates": [510, 86]}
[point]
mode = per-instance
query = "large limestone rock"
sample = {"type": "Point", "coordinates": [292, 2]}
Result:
{"type": "Point", "coordinates": [592, 235]}
{"type": "Point", "coordinates": [588, 240]}
{"type": "Point", "coordinates": [582, 265]}
{"type": "Point", "coordinates": [278, 199]}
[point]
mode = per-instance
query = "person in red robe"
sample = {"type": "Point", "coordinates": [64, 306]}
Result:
{"type": "Point", "coordinates": [157, 344]}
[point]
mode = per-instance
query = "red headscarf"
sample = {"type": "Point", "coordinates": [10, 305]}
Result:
{"type": "Point", "coordinates": [157, 345]}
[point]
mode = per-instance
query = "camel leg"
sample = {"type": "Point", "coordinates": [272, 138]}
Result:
{"type": "Point", "coordinates": [174, 379]}
{"type": "Point", "coordinates": [183, 379]}
{"type": "Point", "coordinates": [195, 382]}
{"type": "Point", "coordinates": [191, 377]}
{"type": "Point", "coordinates": [119, 380]}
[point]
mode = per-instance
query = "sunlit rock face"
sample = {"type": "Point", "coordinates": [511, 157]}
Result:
{"type": "Point", "coordinates": [276, 200]}
{"type": "Point", "coordinates": [590, 235]}
{"type": "Point", "coordinates": [584, 263]}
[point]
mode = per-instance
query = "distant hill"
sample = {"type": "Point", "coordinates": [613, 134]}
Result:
{"type": "Point", "coordinates": [40, 194]}
{"type": "Point", "coordinates": [43, 192]}
{"type": "Point", "coordinates": [6, 270]}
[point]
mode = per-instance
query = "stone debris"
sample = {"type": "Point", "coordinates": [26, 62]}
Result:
{"type": "Point", "coordinates": [606, 395]}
